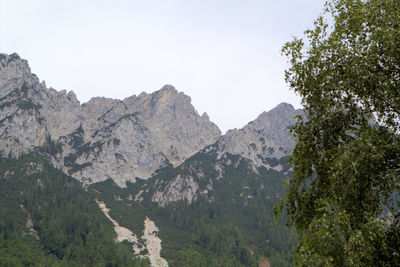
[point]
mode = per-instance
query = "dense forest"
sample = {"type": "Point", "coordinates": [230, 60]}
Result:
{"type": "Point", "coordinates": [48, 219]}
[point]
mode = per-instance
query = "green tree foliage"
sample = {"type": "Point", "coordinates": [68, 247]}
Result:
{"type": "Point", "coordinates": [343, 197]}
{"type": "Point", "coordinates": [70, 228]}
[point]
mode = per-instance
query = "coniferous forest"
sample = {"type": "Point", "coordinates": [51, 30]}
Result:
{"type": "Point", "coordinates": [67, 227]}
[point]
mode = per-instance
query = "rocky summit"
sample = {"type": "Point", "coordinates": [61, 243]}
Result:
{"type": "Point", "coordinates": [124, 139]}
{"type": "Point", "coordinates": [103, 138]}
{"type": "Point", "coordinates": [264, 140]}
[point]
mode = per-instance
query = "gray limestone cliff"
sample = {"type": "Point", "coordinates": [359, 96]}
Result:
{"type": "Point", "coordinates": [266, 138]}
{"type": "Point", "coordinates": [22, 126]}
{"type": "Point", "coordinates": [103, 138]}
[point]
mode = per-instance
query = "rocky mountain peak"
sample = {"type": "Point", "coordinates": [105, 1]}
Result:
{"type": "Point", "coordinates": [72, 97]}
{"type": "Point", "coordinates": [13, 64]}
{"type": "Point", "coordinates": [277, 118]}
{"type": "Point", "coordinates": [7, 60]}
{"type": "Point", "coordinates": [282, 107]}
{"type": "Point", "coordinates": [103, 138]}
{"type": "Point", "coordinates": [167, 89]}
{"type": "Point", "coordinates": [124, 139]}
{"type": "Point", "coordinates": [165, 94]}
{"type": "Point", "coordinates": [14, 71]}
{"type": "Point", "coordinates": [168, 99]}
{"type": "Point", "coordinates": [265, 138]}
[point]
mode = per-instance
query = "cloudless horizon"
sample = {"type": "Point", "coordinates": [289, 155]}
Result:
{"type": "Point", "coordinates": [224, 54]}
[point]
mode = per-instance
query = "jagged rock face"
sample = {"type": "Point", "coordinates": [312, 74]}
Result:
{"type": "Point", "coordinates": [264, 142]}
{"type": "Point", "coordinates": [21, 132]}
{"type": "Point", "coordinates": [14, 73]}
{"type": "Point", "coordinates": [141, 134]}
{"type": "Point", "coordinates": [124, 139]}
{"type": "Point", "coordinates": [103, 138]}
{"type": "Point", "coordinates": [22, 127]}
{"type": "Point", "coordinates": [267, 137]}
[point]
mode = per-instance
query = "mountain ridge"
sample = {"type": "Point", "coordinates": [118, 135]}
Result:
{"type": "Point", "coordinates": [125, 139]}
{"type": "Point", "coordinates": [165, 126]}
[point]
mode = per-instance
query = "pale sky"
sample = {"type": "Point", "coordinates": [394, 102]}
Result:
{"type": "Point", "coordinates": [224, 54]}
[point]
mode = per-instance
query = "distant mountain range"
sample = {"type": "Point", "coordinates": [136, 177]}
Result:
{"type": "Point", "coordinates": [166, 162]}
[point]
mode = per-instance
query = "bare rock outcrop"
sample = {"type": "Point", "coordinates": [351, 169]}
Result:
{"type": "Point", "coordinates": [153, 244]}
{"type": "Point", "coordinates": [181, 188]}
{"type": "Point", "coordinates": [151, 248]}
{"type": "Point", "coordinates": [264, 140]}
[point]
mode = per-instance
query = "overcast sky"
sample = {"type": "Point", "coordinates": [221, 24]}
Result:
{"type": "Point", "coordinates": [224, 54]}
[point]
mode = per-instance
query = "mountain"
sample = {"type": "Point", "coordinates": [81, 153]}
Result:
{"type": "Point", "coordinates": [267, 137]}
{"type": "Point", "coordinates": [170, 187]}
{"type": "Point", "coordinates": [264, 142]}
{"type": "Point", "coordinates": [103, 138]}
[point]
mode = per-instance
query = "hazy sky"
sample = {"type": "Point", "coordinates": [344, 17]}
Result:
{"type": "Point", "coordinates": [224, 54]}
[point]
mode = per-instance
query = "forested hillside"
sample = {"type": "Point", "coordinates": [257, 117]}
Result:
{"type": "Point", "coordinates": [231, 225]}
{"type": "Point", "coordinates": [47, 218]}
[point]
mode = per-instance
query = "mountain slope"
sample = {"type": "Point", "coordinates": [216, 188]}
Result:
{"type": "Point", "coordinates": [47, 218]}
{"type": "Point", "coordinates": [215, 191]}
{"type": "Point", "coordinates": [195, 202]}
{"type": "Point", "coordinates": [264, 142]}
{"type": "Point", "coordinates": [265, 138]}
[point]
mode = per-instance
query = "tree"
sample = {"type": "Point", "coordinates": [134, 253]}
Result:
{"type": "Point", "coordinates": [343, 198]}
